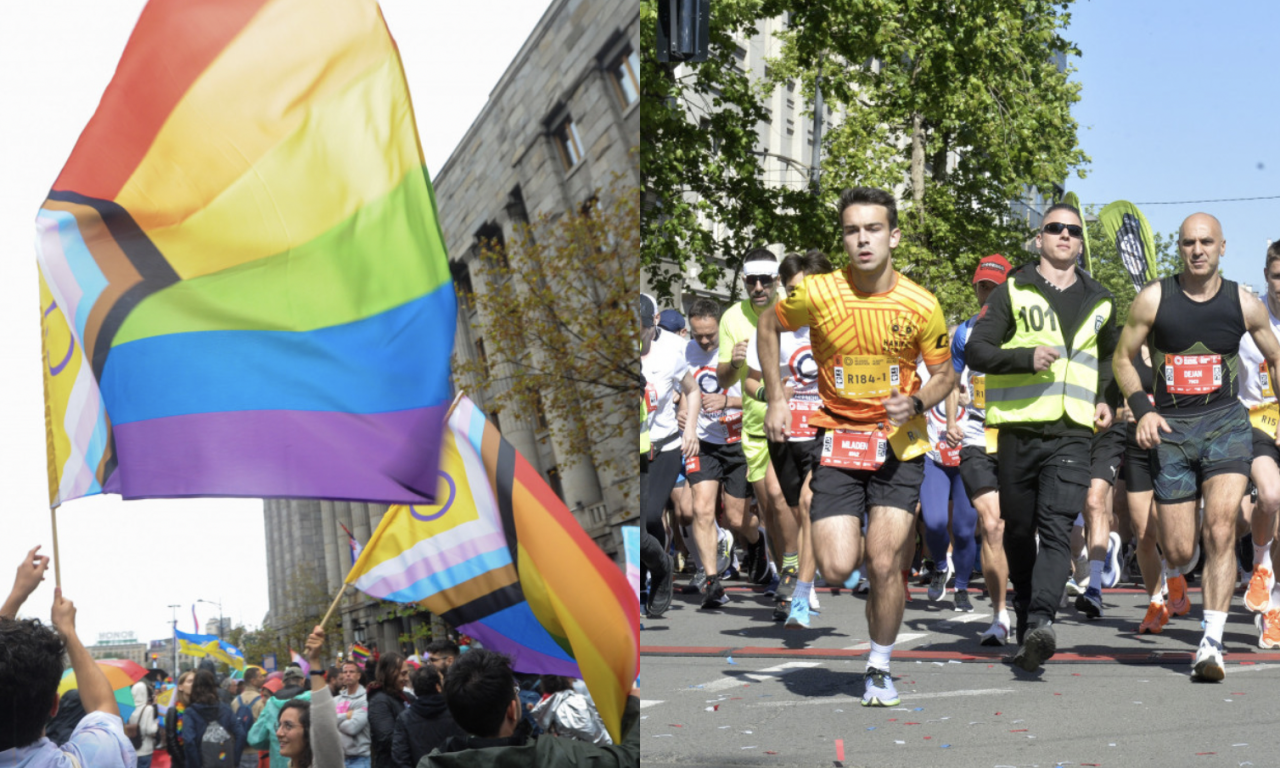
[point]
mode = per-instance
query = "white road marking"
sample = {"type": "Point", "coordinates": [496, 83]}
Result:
{"type": "Point", "coordinates": [649, 703]}
{"type": "Point", "coordinates": [760, 676]}
{"type": "Point", "coordinates": [963, 618]}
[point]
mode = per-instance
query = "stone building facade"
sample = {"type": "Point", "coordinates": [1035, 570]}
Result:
{"type": "Point", "coordinates": [560, 123]}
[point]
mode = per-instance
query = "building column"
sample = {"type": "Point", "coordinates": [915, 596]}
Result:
{"type": "Point", "coordinates": [329, 531]}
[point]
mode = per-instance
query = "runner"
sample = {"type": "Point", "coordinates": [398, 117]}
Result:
{"type": "Point", "coordinates": [719, 432]}
{"type": "Point", "coordinates": [793, 460]}
{"type": "Point", "coordinates": [978, 465]}
{"type": "Point", "coordinates": [1257, 393]}
{"type": "Point", "coordinates": [868, 324]}
{"type": "Point", "coordinates": [1044, 339]}
{"type": "Point", "coordinates": [1106, 449]}
{"type": "Point", "coordinates": [737, 326]}
{"type": "Point", "coordinates": [662, 361]}
{"type": "Point", "coordinates": [1198, 427]}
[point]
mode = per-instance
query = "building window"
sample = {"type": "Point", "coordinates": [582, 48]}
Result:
{"type": "Point", "coordinates": [626, 77]}
{"type": "Point", "coordinates": [553, 479]}
{"type": "Point", "coordinates": [540, 413]}
{"type": "Point", "coordinates": [569, 142]}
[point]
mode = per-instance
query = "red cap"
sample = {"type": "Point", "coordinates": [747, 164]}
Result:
{"type": "Point", "coordinates": [994, 268]}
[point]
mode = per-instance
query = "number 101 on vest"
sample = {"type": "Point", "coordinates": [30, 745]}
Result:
{"type": "Point", "coordinates": [866, 376]}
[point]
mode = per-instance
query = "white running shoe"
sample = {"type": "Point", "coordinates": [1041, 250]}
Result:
{"type": "Point", "coordinates": [998, 633]}
{"type": "Point", "coordinates": [1208, 666]}
{"type": "Point", "coordinates": [1111, 565]}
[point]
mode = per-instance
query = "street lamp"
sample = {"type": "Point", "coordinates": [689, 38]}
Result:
{"type": "Point", "coordinates": [175, 608]}
{"type": "Point", "coordinates": [211, 602]}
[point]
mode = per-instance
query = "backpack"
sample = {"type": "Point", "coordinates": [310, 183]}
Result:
{"type": "Point", "coordinates": [244, 713]}
{"type": "Point", "coordinates": [217, 747]}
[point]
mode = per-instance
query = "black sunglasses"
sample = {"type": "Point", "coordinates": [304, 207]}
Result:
{"type": "Point", "coordinates": [762, 279]}
{"type": "Point", "coordinates": [1056, 227]}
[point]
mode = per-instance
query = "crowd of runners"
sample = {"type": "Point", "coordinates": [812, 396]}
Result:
{"type": "Point", "coordinates": [830, 421]}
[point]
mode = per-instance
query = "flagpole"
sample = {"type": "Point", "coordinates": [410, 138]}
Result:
{"type": "Point", "coordinates": [456, 399]}
{"type": "Point", "coordinates": [57, 561]}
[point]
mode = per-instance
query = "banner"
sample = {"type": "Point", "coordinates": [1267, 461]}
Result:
{"type": "Point", "coordinates": [1125, 224]}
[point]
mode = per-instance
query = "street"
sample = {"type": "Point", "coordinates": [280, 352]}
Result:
{"type": "Point", "coordinates": [731, 687]}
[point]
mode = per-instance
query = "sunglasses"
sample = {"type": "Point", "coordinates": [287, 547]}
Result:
{"type": "Point", "coordinates": [1055, 228]}
{"type": "Point", "coordinates": [762, 279]}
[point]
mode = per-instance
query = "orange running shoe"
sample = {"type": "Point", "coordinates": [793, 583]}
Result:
{"type": "Point", "coordinates": [1258, 597]}
{"type": "Point", "coordinates": [1268, 628]}
{"type": "Point", "coordinates": [1157, 616]}
{"type": "Point", "coordinates": [1178, 602]}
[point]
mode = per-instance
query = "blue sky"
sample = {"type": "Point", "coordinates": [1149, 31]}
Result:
{"type": "Point", "coordinates": [1181, 102]}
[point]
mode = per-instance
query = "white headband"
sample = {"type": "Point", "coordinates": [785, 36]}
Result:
{"type": "Point", "coordinates": [760, 268]}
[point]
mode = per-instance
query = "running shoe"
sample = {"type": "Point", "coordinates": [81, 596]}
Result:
{"type": "Point", "coordinates": [798, 614]}
{"type": "Point", "coordinates": [998, 633]}
{"type": "Point", "coordinates": [864, 586]}
{"type": "Point", "coordinates": [878, 690]}
{"type": "Point", "coordinates": [786, 584]}
{"type": "Point", "coordinates": [1208, 666]}
{"type": "Point", "coordinates": [1258, 597]}
{"type": "Point", "coordinates": [1037, 647]}
{"type": "Point", "coordinates": [938, 584]}
{"type": "Point", "coordinates": [925, 574]}
{"type": "Point", "coordinates": [772, 589]}
{"type": "Point", "coordinates": [963, 604]}
{"type": "Point", "coordinates": [1178, 602]}
{"type": "Point", "coordinates": [713, 595]}
{"type": "Point", "coordinates": [1268, 625]}
{"type": "Point", "coordinates": [724, 551]}
{"type": "Point", "coordinates": [1073, 588]}
{"type": "Point", "coordinates": [1090, 603]}
{"type": "Point", "coordinates": [758, 559]}
{"type": "Point", "coordinates": [660, 588]}
{"type": "Point", "coordinates": [696, 584]}
{"type": "Point", "coordinates": [1153, 623]}
{"type": "Point", "coordinates": [854, 579]}
{"type": "Point", "coordinates": [1111, 565]}
{"type": "Point", "coordinates": [781, 609]}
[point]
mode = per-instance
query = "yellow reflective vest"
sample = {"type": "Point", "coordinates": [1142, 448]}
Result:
{"type": "Point", "coordinates": [1070, 386]}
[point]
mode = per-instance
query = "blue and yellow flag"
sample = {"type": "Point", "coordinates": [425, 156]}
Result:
{"type": "Point", "coordinates": [211, 646]}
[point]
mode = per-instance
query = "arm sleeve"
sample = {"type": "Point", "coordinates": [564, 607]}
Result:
{"type": "Point", "coordinates": [381, 725]}
{"type": "Point", "coordinates": [726, 337]}
{"type": "Point", "coordinates": [1108, 339]}
{"type": "Point", "coordinates": [934, 342]}
{"type": "Point", "coordinates": [994, 326]}
{"type": "Point", "coordinates": [793, 311]}
{"type": "Point", "coordinates": [326, 748]}
{"type": "Point", "coordinates": [957, 347]}
{"type": "Point", "coordinates": [148, 725]}
{"type": "Point", "coordinates": [259, 736]}
{"type": "Point", "coordinates": [400, 753]}
{"type": "Point", "coordinates": [359, 719]}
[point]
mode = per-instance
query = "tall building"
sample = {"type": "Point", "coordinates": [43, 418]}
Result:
{"type": "Point", "coordinates": [560, 123]}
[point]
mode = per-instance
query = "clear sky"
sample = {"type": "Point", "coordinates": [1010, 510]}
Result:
{"type": "Point", "coordinates": [124, 563]}
{"type": "Point", "coordinates": [1180, 103]}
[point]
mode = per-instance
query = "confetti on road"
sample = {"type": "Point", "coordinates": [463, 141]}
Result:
{"type": "Point", "coordinates": [728, 659]}
{"type": "Point", "coordinates": [840, 750]}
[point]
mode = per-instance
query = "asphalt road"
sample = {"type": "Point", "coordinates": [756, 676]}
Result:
{"type": "Point", "coordinates": [732, 688]}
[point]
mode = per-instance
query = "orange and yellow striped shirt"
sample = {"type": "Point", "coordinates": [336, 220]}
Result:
{"type": "Point", "coordinates": [897, 326]}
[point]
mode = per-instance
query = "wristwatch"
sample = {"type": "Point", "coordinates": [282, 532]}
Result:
{"type": "Point", "coordinates": [919, 404]}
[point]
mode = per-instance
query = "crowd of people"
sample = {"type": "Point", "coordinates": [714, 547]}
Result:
{"type": "Point", "coordinates": [457, 710]}
{"type": "Point", "coordinates": [831, 426]}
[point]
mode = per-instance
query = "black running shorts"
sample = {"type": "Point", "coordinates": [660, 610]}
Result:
{"type": "Point", "coordinates": [793, 460]}
{"type": "Point", "coordinates": [725, 463]}
{"type": "Point", "coordinates": [854, 491]}
{"type": "Point", "coordinates": [978, 470]}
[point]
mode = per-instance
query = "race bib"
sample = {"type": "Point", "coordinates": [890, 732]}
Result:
{"type": "Point", "coordinates": [950, 456]}
{"type": "Point", "coordinates": [911, 439]}
{"type": "Point", "coordinates": [1192, 374]}
{"type": "Point", "coordinates": [848, 449]}
{"type": "Point", "coordinates": [1264, 376]}
{"type": "Point", "coordinates": [992, 436]}
{"type": "Point", "coordinates": [801, 410]}
{"type": "Point", "coordinates": [692, 464]}
{"type": "Point", "coordinates": [864, 377]}
{"type": "Point", "coordinates": [650, 398]}
{"type": "Point", "coordinates": [733, 425]}
{"type": "Point", "coordinates": [1265, 418]}
{"type": "Point", "coordinates": [980, 392]}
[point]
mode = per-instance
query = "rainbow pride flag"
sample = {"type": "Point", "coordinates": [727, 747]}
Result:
{"type": "Point", "coordinates": [502, 559]}
{"type": "Point", "coordinates": [244, 289]}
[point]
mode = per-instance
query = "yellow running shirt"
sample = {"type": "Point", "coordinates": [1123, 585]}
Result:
{"type": "Point", "coordinates": [866, 345]}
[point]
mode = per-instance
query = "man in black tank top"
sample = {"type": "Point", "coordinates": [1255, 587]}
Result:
{"type": "Point", "coordinates": [1200, 432]}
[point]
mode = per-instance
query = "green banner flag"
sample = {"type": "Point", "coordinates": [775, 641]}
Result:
{"type": "Point", "coordinates": [1124, 223]}
{"type": "Point", "coordinates": [1085, 259]}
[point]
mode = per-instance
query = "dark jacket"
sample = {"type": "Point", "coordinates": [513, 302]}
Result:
{"type": "Point", "coordinates": [544, 751]}
{"type": "Point", "coordinates": [385, 708]}
{"type": "Point", "coordinates": [197, 719]}
{"type": "Point", "coordinates": [996, 326]}
{"type": "Point", "coordinates": [177, 758]}
{"type": "Point", "coordinates": [423, 727]}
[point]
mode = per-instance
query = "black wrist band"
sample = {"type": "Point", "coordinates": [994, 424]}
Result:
{"type": "Point", "coordinates": [760, 393]}
{"type": "Point", "coordinates": [1139, 405]}
{"type": "Point", "coordinates": [318, 672]}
